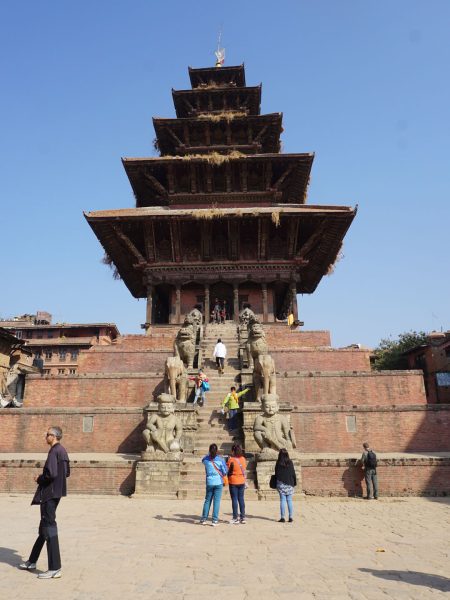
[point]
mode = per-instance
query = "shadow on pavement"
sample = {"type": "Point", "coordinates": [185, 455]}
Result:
{"type": "Point", "coordinates": [179, 518]}
{"type": "Point", "coordinates": [437, 582]}
{"type": "Point", "coordinates": [9, 557]}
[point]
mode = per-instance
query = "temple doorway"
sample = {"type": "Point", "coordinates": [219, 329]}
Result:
{"type": "Point", "coordinates": [281, 300]}
{"type": "Point", "coordinates": [161, 305]}
{"type": "Point", "coordinates": [223, 292]}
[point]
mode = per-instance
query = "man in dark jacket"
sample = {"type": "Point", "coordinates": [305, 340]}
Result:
{"type": "Point", "coordinates": [51, 488]}
{"type": "Point", "coordinates": [369, 462]}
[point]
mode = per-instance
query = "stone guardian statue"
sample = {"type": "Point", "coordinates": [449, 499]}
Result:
{"type": "Point", "coordinates": [163, 430]}
{"type": "Point", "coordinates": [272, 431]}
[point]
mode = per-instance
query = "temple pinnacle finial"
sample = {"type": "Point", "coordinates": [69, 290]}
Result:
{"type": "Point", "coordinates": [220, 52]}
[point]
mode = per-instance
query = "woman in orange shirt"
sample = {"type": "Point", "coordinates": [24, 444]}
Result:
{"type": "Point", "coordinates": [237, 480]}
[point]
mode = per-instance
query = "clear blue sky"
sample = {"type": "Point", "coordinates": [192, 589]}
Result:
{"type": "Point", "coordinates": [364, 85]}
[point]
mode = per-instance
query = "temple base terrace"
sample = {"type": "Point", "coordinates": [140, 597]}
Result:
{"type": "Point", "coordinates": [323, 474]}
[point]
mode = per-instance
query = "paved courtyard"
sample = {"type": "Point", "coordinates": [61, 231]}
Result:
{"type": "Point", "coordinates": [117, 547]}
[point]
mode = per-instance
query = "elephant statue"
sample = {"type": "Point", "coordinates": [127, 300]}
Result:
{"type": "Point", "coordinates": [184, 345]}
{"type": "Point", "coordinates": [175, 378]}
{"type": "Point", "coordinates": [264, 376]}
{"type": "Point", "coordinates": [256, 343]}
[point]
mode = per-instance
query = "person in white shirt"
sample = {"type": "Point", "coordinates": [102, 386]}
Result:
{"type": "Point", "coordinates": [220, 352]}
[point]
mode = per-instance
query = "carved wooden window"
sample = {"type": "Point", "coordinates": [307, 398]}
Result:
{"type": "Point", "coordinates": [190, 236]}
{"type": "Point", "coordinates": [255, 177]}
{"type": "Point", "coordinates": [162, 241]}
{"type": "Point", "coordinates": [219, 247]}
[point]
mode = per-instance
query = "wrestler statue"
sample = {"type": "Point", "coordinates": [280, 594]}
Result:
{"type": "Point", "coordinates": [163, 430]}
{"type": "Point", "coordinates": [271, 430]}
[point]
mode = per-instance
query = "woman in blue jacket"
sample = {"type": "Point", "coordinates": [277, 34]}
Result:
{"type": "Point", "coordinates": [216, 470]}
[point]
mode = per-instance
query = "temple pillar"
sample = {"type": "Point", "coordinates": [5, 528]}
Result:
{"type": "Point", "coordinates": [294, 305]}
{"type": "Point", "coordinates": [178, 303]}
{"type": "Point", "coordinates": [149, 309]}
{"type": "Point", "coordinates": [264, 303]}
{"type": "Point", "coordinates": [235, 301]}
{"type": "Point", "coordinates": [207, 307]}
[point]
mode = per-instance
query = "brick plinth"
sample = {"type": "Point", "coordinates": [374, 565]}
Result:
{"type": "Point", "coordinates": [87, 476]}
{"type": "Point", "coordinates": [403, 476]}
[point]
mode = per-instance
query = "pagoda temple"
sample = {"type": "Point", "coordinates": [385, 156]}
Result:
{"type": "Point", "coordinates": [221, 213]}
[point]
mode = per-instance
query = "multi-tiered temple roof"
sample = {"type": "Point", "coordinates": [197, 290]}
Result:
{"type": "Point", "coordinates": [221, 205]}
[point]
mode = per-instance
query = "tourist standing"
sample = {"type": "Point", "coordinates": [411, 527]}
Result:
{"type": "Point", "coordinates": [237, 480]}
{"type": "Point", "coordinates": [220, 353]}
{"type": "Point", "coordinates": [51, 487]}
{"type": "Point", "coordinates": [231, 402]}
{"type": "Point", "coordinates": [201, 386]}
{"type": "Point", "coordinates": [216, 471]}
{"type": "Point", "coordinates": [286, 482]}
{"type": "Point", "coordinates": [369, 462]}
{"type": "Point", "coordinates": [224, 312]}
{"type": "Point", "coordinates": [217, 311]}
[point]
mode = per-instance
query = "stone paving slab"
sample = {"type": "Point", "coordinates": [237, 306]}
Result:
{"type": "Point", "coordinates": [122, 548]}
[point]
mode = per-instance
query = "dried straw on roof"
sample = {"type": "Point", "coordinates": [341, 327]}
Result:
{"type": "Point", "coordinates": [226, 115]}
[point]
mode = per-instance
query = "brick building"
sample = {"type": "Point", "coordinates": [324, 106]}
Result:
{"type": "Point", "coordinates": [56, 347]}
{"type": "Point", "coordinates": [433, 358]}
{"type": "Point", "coordinates": [16, 361]}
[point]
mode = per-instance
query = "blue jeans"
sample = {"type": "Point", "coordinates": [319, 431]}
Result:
{"type": "Point", "coordinates": [237, 497]}
{"type": "Point", "coordinates": [214, 495]}
{"type": "Point", "coordinates": [199, 391]}
{"type": "Point", "coordinates": [290, 506]}
{"type": "Point", "coordinates": [232, 420]}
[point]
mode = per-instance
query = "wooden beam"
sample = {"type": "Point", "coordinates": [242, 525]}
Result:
{"type": "Point", "coordinates": [268, 175]}
{"type": "Point", "coordinates": [173, 135]}
{"type": "Point", "coordinates": [149, 236]}
{"type": "Point", "coordinates": [233, 239]}
{"type": "Point", "coordinates": [208, 170]}
{"type": "Point", "coordinates": [175, 240]}
{"type": "Point", "coordinates": [292, 237]}
{"type": "Point", "coordinates": [228, 176]}
{"type": "Point", "coordinates": [128, 243]}
{"type": "Point", "coordinates": [156, 184]}
{"type": "Point", "coordinates": [186, 134]}
{"type": "Point", "coordinates": [228, 133]}
{"type": "Point", "coordinates": [171, 178]}
{"type": "Point", "coordinates": [190, 108]}
{"type": "Point", "coordinates": [280, 180]}
{"type": "Point", "coordinates": [243, 174]}
{"type": "Point", "coordinates": [261, 133]}
{"type": "Point", "coordinates": [249, 133]}
{"type": "Point", "coordinates": [193, 178]}
{"type": "Point", "coordinates": [312, 240]}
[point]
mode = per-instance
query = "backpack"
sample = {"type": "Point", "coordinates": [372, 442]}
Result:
{"type": "Point", "coordinates": [371, 460]}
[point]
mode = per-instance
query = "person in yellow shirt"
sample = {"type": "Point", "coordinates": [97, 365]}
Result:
{"type": "Point", "coordinates": [231, 402]}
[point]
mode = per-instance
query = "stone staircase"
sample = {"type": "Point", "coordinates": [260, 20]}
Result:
{"type": "Point", "coordinates": [212, 426]}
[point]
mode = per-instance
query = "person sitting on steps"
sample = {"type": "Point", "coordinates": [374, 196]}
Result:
{"type": "Point", "coordinates": [199, 380]}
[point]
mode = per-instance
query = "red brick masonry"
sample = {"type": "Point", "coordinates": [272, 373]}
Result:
{"type": "Point", "coordinates": [398, 476]}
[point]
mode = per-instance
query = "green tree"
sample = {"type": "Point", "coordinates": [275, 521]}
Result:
{"type": "Point", "coordinates": [389, 353]}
